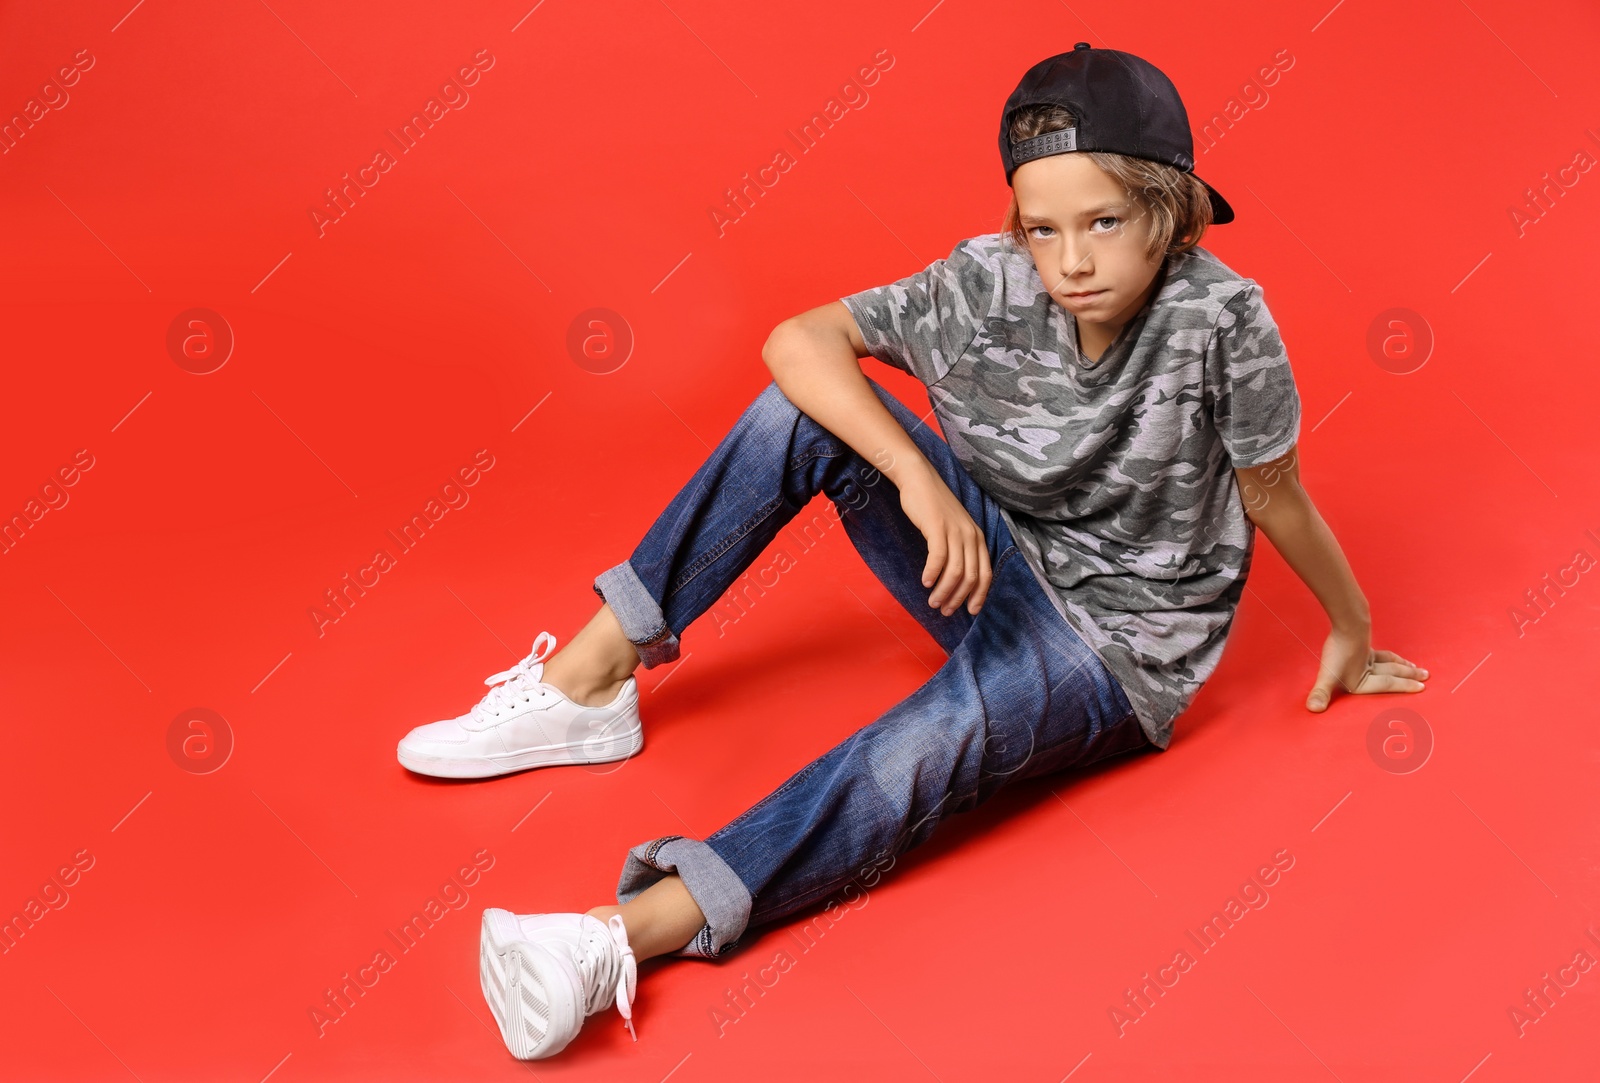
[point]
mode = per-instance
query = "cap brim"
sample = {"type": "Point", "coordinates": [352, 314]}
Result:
{"type": "Point", "coordinates": [1221, 209]}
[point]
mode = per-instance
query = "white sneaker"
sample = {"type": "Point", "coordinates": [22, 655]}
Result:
{"type": "Point", "coordinates": [524, 723]}
{"type": "Point", "coordinates": [543, 974]}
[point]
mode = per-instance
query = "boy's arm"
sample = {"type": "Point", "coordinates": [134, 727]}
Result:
{"type": "Point", "coordinates": [815, 359]}
{"type": "Point", "coordinates": [1280, 507]}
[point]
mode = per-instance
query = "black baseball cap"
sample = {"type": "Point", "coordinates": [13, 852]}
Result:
{"type": "Point", "coordinates": [1121, 103]}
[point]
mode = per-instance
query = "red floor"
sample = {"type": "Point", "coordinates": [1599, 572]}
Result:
{"type": "Point", "coordinates": [204, 813]}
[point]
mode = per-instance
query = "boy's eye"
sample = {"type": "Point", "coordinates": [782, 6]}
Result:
{"type": "Point", "coordinates": [1106, 224]}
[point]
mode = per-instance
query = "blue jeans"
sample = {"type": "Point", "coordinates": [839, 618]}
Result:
{"type": "Point", "coordinates": [1019, 695]}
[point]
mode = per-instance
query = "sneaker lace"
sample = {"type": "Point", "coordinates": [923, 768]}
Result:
{"type": "Point", "coordinates": [610, 971]}
{"type": "Point", "coordinates": [512, 685]}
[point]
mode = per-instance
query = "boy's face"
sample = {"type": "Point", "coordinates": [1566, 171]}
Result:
{"type": "Point", "coordinates": [1087, 236]}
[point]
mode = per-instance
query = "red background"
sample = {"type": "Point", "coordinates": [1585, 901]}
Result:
{"type": "Point", "coordinates": [371, 361]}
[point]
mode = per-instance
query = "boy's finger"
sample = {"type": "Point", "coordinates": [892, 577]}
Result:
{"type": "Point", "coordinates": [1384, 682]}
{"type": "Point", "coordinates": [964, 583]}
{"type": "Point", "coordinates": [953, 571]}
{"type": "Point", "coordinates": [985, 576]}
{"type": "Point", "coordinates": [930, 570]}
{"type": "Point", "coordinates": [975, 567]}
{"type": "Point", "coordinates": [939, 577]}
{"type": "Point", "coordinates": [1322, 691]}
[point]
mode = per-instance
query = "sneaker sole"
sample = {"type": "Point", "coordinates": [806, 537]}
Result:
{"type": "Point", "coordinates": [527, 988]}
{"type": "Point", "coordinates": [617, 747]}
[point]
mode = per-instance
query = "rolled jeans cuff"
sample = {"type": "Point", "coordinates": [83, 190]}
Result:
{"type": "Point", "coordinates": [715, 888]}
{"type": "Point", "coordinates": [639, 614]}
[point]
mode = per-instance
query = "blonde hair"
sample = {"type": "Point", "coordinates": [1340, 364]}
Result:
{"type": "Point", "coordinates": [1178, 204]}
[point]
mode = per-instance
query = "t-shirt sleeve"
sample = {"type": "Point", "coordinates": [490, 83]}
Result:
{"type": "Point", "coordinates": [924, 322]}
{"type": "Point", "coordinates": [1250, 388]}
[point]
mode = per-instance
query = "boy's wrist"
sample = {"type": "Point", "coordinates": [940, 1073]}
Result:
{"type": "Point", "coordinates": [1357, 622]}
{"type": "Point", "coordinates": [908, 469]}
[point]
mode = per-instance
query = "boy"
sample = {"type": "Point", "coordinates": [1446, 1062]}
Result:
{"type": "Point", "coordinates": [1119, 416]}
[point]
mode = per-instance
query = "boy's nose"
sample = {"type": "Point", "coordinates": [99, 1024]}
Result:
{"type": "Point", "coordinates": [1075, 260]}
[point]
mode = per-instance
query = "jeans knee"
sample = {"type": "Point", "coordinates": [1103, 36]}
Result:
{"type": "Point", "coordinates": [773, 399]}
{"type": "Point", "coordinates": [772, 411]}
{"type": "Point", "coordinates": [776, 417]}
{"type": "Point", "coordinates": [775, 411]}
{"type": "Point", "coordinates": [772, 391]}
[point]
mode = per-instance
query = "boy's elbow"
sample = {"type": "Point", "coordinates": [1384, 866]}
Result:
{"type": "Point", "coordinates": [823, 337]}
{"type": "Point", "coordinates": [769, 349]}
{"type": "Point", "coordinates": [781, 343]}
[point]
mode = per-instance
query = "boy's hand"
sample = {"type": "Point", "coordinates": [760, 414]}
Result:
{"type": "Point", "coordinates": [958, 554]}
{"type": "Point", "coordinates": [1349, 661]}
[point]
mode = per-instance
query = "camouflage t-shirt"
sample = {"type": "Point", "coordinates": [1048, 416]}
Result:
{"type": "Point", "coordinates": [1115, 477]}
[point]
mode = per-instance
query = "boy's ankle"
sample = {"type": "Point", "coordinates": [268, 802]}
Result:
{"type": "Point", "coordinates": [594, 696]}
{"type": "Point", "coordinates": [585, 692]}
